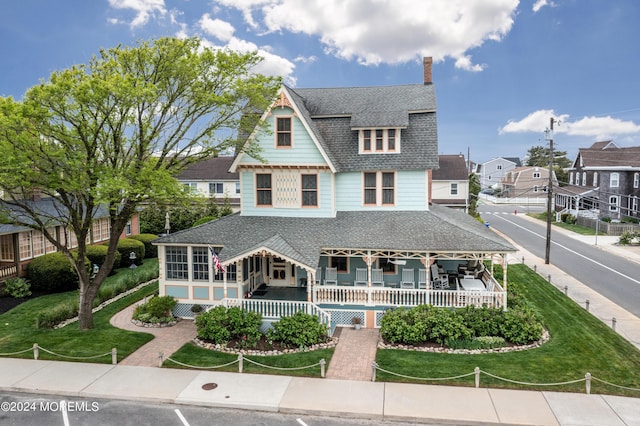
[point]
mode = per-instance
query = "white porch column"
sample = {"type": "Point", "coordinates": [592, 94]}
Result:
{"type": "Point", "coordinates": [311, 280]}
{"type": "Point", "coordinates": [504, 278]}
{"type": "Point", "coordinates": [224, 283]}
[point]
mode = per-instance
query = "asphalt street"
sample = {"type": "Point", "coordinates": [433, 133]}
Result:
{"type": "Point", "coordinates": [613, 276]}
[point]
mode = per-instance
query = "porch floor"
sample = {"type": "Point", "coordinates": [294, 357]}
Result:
{"type": "Point", "coordinates": [280, 293]}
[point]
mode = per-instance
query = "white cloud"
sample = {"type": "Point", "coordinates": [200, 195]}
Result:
{"type": "Point", "coordinates": [144, 9]}
{"type": "Point", "coordinates": [305, 59]}
{"type": "Point", "coordinates": [539, 4]}
{"type": "Point", "coordinates": [217, 28]}
{"type": "Point", "coordinates": [388, 31]}
{"type": "Point", "coordinates": [596, 127]}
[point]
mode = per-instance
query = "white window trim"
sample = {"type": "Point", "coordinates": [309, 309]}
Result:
{"type": "Point", "coordinates": [636, 180]}
{"type": "Point", "coordinates": [595, 178]}
{"type": "Point", "coordinates": [617, 180]}
{"type": "Point", "coordinates": [614, 203]}
{"type": "Point", "coordinates": [453, 192]}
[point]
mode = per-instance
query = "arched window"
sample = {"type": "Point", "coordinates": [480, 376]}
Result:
{"type": "Point", "coordinates": [614, 180]}
{"type": "Point", "coordinates": [636, 179]}
{"type": "Point", "coordinates": [584, 178]}
{"type": "Point", "coordinates": [595, 178]}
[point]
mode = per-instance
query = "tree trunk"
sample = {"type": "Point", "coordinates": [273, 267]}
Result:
{"type": "Point", "coordinates": [88, 292]}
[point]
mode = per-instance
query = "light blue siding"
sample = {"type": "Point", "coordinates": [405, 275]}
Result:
{"type": "Point", "coordinates": [179, 292]}
{"type": "Point", "coordinates": [303, 150]}
{"type": "Point", "coordinates": [218, 293]}
{"type": "Point", "coordinates": [325, 196]}
{"type": "Point", "coordinates": [200, 293]}
{"type": "Point", "coordinates": [411, 191]}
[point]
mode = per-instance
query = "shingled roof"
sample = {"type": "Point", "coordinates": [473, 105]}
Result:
{"type": "Point", "coordinates": [440, 230]}
{"type": "Point", "coordinates": [612, 156]}
{"type": "Point", "coordinates": [333, 115]}
{"type": "Point", "coordinates": [216, 168]}
{"type": "Point", "coordinates": [452, 167]}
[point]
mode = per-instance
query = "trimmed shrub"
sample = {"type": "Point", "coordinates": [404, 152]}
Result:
{"type": "Point", "coordinates": [150, 251]}
{"type": "Point", "coordinates": [56, 314]}
{"type": "Point", "coordinates": [203, 220]}
{"type": "Point", "coordinates": [157, 310]}
{"type": "Point", "coordinates": [300, 330]}
{"type": "Point", "coordinates": [17, 287]}
{"type": "Point", "coordinates": [221, 325]}
{"type": "Point", "coordinates": [522, 325]}
{"type": "Point", "coordinates": [97, 253]}
{"type": "Point", "coordinates": [53, 273]}
{"type": "Point", "coordinates": [128, 245]}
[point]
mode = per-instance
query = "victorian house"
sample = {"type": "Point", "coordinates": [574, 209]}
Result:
{"type": "Point", "coordinates": [337, 217]}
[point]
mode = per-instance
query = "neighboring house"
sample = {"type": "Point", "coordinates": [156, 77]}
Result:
{"type": "Point", "coordinates": [211, 178]}
{"type": "Point", "coordinates": [490, 173]}
{"type": "Point", "coordinates": [604, 181]}
{"type": "Point", "coordinates": [450, 182]}
{"type": "Point", "coordinates": [526, 181]}
{"type": "Point", "coordinates": [19, 245]}
{"type": "Point", "coordinates": [337, 220]}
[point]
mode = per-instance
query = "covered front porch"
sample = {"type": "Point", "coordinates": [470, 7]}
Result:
{"type": "Point", "coordinates": [381, 278]}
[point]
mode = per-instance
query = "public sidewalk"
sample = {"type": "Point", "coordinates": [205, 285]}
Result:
{"type": "Point", "coordinates": [357, 399]}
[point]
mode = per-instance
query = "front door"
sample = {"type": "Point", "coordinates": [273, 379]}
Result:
{"type": "Point", "coordinates": [280, 274]}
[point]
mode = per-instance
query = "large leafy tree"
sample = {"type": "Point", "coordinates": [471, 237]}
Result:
{"type": "Point", "coordinates": [111, 135]}
{"type": "Point", "coordinates": [539, 156]}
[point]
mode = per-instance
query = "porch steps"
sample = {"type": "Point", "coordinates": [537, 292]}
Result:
{"type": "Point", "coordinates": [354, 354]}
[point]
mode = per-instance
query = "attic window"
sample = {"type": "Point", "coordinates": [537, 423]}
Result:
{"type": "Point", "coordinates": [283, 132]}
{"type": "Point", "coordinates": [379, 141]}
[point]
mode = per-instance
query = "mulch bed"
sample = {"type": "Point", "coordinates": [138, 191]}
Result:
{"type": "Point", "coordinates": [7, 303]}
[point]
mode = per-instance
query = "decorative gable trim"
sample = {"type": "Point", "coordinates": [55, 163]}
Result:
{"type": "Point", "coordinates": [284, 99]}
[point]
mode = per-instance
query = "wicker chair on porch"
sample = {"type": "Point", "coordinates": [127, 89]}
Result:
{"type": "Point", "coordinates": [438, 280]}
{"type": "Point", "coordinates": [361, 277]}
{"type": "Point", "coordinates": [422, 279]}
{"type": "Point", "coordinates": [408, 279]}
{"type": "Point", "coordinates": [377, 278]}
{"type": "Point", "coordinates": [331, 276]}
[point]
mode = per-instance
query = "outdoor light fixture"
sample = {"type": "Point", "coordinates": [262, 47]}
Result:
{"type": "Point", "coordinates": [132, 258]}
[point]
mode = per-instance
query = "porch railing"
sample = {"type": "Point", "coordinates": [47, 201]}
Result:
{"type": "Point", "coordinates": [8, 271]}
{"type": "Point", "coordinates": [408, 297]}
{"type": "Point", "coordinates": [274, 309]}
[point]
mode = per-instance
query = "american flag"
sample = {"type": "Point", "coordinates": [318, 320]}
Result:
{"type": "Point", "coordinates": [216, 262]}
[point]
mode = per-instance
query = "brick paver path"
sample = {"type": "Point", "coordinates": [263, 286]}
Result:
{"type": "Point", "coordinates": [167, 339]}
{"type": "Point", "coordinates": [354, 354]}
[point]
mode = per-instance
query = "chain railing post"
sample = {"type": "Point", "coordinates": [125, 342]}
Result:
{"type": "Point", "coordinates": [588, 382]}
{"type": "Point", "coordinates": [35, 351]}
{"type": "Point", "coordinates": [613, 323]}
{"type": "Point", "coordinates": [240, 363]}
{"type": "Point", "coordinates": [114, 356]}
{"type": "Point", "coordinates": [477, 373]}
{"type": "Point", "coordinates": [322, 364]}
{"type": "Point", "coordinates": [374, 367]}
{"type": "Point", "coordinates": [160, 358]}
{"type": "Point", "coordinates": [586, 303]}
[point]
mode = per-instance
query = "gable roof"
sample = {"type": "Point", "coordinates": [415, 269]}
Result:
{"type": "Point", "coordinates": [333, 116]}
{"type": "Point", "coordinates": [609, 157]}
{"type": "Point", "coordinates": [438, 230]}
{"type": "Point", "coordinates": [452, 167]}
{"type": "Point", "coordinates": [216, 168]}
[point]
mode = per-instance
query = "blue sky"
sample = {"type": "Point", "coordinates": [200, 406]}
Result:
{"type": "Point", "coordinates": [501, 69]}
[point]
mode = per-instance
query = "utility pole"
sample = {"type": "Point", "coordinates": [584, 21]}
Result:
{"type": "Point", "coordinates": [549, 190]}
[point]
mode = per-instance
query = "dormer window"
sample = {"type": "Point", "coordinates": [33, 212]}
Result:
{"type": "Point", "coordinates": [379, 141]}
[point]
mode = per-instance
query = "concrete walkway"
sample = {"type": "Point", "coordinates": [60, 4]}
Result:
{"type": "Point", "coordinates": [166, 339]}
{"type": "Point", "coordinates": [354, 354]}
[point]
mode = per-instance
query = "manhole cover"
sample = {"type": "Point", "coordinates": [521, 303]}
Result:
{"type": "Point", "coordinates": [209, 386]}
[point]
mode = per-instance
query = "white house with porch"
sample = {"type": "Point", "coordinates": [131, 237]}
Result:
{"type": "Point", "coordinates": [337, 219]}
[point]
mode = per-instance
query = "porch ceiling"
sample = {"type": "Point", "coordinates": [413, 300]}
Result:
{"type": "Point", "coordinates": [439, 230]}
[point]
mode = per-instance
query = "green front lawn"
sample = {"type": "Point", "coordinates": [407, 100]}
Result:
{"type": "Point", "coordinates": [196, 356]}
{"type": "Point", "coordinates": [579, 343]}
{"type": "Point", "coordinates": [578, 229]}
{"type": "Point", "coordinates": [18, 329]}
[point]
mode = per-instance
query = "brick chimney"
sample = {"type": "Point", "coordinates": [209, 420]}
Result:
{"type": "Point", "coordinates": [427, 62]}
